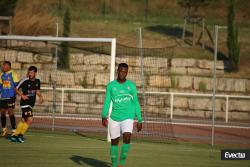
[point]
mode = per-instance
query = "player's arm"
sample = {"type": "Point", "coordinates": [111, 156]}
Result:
{"type": "Point", "coordinates": [18, 92]}
{"type": "Point", "coordinates": [106, 106]}
{"type": "Point", "coordinates": [137, 109]}
{"type": "Point", "coordinates": [1, 84]}
{"type": "Point", "coordinates": [15, 78]}
{"type": "Point", "coordinates": [38, 92]}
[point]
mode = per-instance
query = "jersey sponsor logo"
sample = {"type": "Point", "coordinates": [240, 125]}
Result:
{"type": "Point", "coordinates": [31, 92]}
{"type": "Point", "coordinates": [6, 84]}
{"type": "Point", "coordinates": [123, 98]}
{"type": "Point", "coordinates": [6, 80]}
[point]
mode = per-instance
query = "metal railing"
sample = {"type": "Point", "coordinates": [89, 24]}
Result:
{"type": "Point", "coordinates": [171, 94]}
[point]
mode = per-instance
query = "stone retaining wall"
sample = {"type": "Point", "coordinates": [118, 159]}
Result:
{"type": "Point", "coordinates": [160, 74]}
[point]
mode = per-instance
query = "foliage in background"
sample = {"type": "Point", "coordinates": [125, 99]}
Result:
{"type": "Point", "coordinates": [192, 6]}
{"type": "Point", "coordinates": [232, 38]}
{"type": "Point", "coordinates": [193, 15]}
{"type": "Point", "coordinates": [104, 8]}
{"type": "Point", "coordinates": [202, 86]}
{"type": "Point", "coordinates": [64, 54]}
{"type": "Point", "coordinates": [7, 7]}
{"type": "Point", "coordinates": [146, 10]}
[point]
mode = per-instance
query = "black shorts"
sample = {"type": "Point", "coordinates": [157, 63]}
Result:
{"type": "Point", "coordinates": [7, 103]}
{"type": "Point", "coordinates": [26, 112]}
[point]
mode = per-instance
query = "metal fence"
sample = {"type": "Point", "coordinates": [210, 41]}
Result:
{"type": "Point", "coordinates": [74, 97]}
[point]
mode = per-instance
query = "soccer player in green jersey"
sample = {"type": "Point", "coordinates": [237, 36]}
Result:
{"type": "Point", "coordinates": [125, 108]}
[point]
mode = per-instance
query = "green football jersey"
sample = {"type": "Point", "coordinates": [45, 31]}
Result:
{"type": "Point", "coordinates": [125, 101]}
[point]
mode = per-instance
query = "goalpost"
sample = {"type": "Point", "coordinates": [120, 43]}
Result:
{"type": "Point", "coordinates": [112, 42]}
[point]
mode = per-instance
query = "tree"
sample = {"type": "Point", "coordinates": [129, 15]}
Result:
{"type": "Point", "coordinates": [60, 7]}
{"type": "Point", "coordinates": [232, 38]}
{"type": "Point", "coordinates": [7, 7]}
{"type": "Point", "coordinates": [146, 9]}
{"type": "Point", "coordinates": [66, 23]}
{"type": "Point", "coordinates": [64, 55]}
{"type": "Point", "coordinates": [192, 7]}
{"type": "Point", "coordinates": [104, 6]}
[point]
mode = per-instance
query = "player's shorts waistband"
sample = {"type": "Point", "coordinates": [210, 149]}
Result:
{"type": "Point", "coordinates": [25, 106]}
{"type": "Point", "coordinates": [7, 98]}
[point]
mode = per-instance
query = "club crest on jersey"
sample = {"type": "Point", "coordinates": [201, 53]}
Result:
{"type": "Point", "coordinates": [121, 91]}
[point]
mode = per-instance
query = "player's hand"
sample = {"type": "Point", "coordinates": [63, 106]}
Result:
{"type": "Point", "coordinates": [105, 122]}
{"type": "Point", "coordinates": [40, 99]}
{"type": "Point", "coordinates": [24, 97]}
{"type": "Point", "coordinates": [139, 127]}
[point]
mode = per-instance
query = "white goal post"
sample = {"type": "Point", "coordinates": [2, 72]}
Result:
{"type": "Point", "coordinates": [73, 39]}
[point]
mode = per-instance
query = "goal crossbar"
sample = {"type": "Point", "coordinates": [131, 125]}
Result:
{"type": "Point", "coordinates": [55, 39]}
{"type": "Point", "coordinates": [70, 39]}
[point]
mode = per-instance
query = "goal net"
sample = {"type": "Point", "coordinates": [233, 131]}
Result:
{"type": "Point", "coordinates": [74, 73]}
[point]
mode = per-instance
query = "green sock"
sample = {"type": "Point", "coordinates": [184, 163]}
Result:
{"type": "Point", "coordinates": [124, 153]}
{"type": "Point", "coordinates": [114, 155]}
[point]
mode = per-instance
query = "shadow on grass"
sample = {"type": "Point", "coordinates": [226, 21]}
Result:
{"type": "Point", "coordinates": [99, 137]}
{"type": "Point", "coordinates": [169, 31]}
{"type": "Point", "coordinates": [89, 161]}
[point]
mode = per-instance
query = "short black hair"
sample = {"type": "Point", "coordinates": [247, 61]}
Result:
{"type": "Point", "coordinates": [122, 65]}
{"type": "Point", "coordinates": [33, 68]}
{"type": "Point", "coordinates": [7, 62]}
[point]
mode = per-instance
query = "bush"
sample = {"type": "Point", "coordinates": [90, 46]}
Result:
{"type": "Point", "coordinates": [7, 7]}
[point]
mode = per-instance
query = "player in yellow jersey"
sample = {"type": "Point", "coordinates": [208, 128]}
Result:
{"type": "Point", "coordinates": [8, 82]}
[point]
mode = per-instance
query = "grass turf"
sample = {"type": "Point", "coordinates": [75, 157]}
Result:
{"type": "Point", "coordinates": [68, 149]}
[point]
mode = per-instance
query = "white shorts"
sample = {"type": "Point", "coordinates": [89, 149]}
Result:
{"type": "Point", "coordinates": [116, 128]}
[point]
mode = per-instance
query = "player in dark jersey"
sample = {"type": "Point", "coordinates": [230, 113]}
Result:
{"type": "Point", "coordinates": [27, 89]}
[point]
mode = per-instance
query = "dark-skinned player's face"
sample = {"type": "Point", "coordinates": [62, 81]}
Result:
{"type": "Point", "coordinates": [31, 74]}
{"type": "Point", "coordinates": [122, 73]}
{"type": "Point", "coordinates": [6, 67]}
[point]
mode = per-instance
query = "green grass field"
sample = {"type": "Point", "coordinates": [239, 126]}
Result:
{"type": "Point", "coordinates": [68, 149]}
